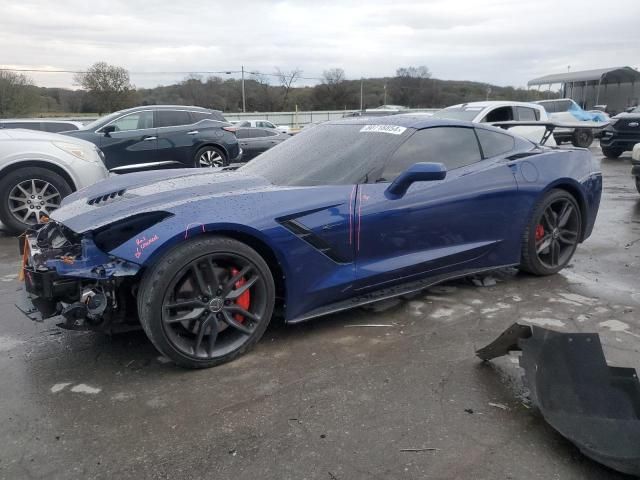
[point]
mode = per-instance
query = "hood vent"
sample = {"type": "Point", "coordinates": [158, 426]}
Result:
{"type": "Point", "coordinates": [101, 200]}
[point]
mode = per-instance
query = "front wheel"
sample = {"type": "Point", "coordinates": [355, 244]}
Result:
{"type": "Point", "coordinates": [612, 153]}
{"type": "Point", "coordinates": [210, 157]}
{"type": "Point", "coordinates": [582, 137]}
{"type": "Point", "coordinates": [206, 301]}
{"type": "Point", "coordinates": [552, 235]}
{"type": "Point", "coordinates": [28, 195]}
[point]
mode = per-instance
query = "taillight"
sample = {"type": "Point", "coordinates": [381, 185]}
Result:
{"type": "Point", "coordinates": [231, 129]}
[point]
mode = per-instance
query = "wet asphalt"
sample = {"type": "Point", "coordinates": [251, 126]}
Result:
{"type": "Point", "coordinates": [329, 399]}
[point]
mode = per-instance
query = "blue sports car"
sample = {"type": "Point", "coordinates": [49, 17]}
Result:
{"type": "Point", "coordinates": [347, 213]}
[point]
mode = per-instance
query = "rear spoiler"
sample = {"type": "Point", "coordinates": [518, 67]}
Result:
{"type": "Point", "coordinates": [550, 126]}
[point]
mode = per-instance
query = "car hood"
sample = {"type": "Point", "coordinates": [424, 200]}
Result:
{"type": "Point", "coordinates": [160, 190]}
{"type": "Point", "coordinates": [36, 135]}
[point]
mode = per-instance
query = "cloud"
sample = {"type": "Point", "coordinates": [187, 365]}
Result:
{"type": "Point", "coordinates": [502, 42]}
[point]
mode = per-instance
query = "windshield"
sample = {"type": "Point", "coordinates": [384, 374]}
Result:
{"type": "Point", "coordinates": [459, 113]}
{"type": "Point", "coordinates": [328, 154]}
{"type": "Point", "coordinates": [102, 120]}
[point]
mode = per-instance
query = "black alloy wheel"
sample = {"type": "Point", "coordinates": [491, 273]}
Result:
{"type": "Point", "coordinates": [553, 234]}
{"type": "Point", "coordinates": [211, 301]}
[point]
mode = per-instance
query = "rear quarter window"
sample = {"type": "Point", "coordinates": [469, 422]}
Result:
{"type": "Point", "coordinates": [495, 143]}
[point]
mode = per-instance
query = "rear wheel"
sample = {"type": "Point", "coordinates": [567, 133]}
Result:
{"type": "Point", "coordinates": [28, 196]}
{"type": "Point", "coordinates": [207, 301]}
{"type": "Point", "coordinates": [210, 157]}
{"type": "Point", "coordinates": [553, 233]}
{"type": "Point", "coordinates": [582, 137]}
{"type": "Point", "coordinates": [612, 153]}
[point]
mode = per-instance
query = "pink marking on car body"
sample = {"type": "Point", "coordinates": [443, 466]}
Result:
{"type": "Point", "coordinates": [359, 220]}
{"type": "Point", "coordinates": [351, 207]}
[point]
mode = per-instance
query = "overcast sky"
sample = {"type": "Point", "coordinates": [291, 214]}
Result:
{"type": "Point", "coordinates": [502, 42]}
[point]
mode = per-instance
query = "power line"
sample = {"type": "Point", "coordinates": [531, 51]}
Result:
{"type": "Point", "coordinates": [191, 72]}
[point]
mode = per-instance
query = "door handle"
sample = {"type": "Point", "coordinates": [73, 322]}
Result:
{"type": "Point", "coordinates": [193, 132]}
{"type": "Point", "coordinates": [146, 139]}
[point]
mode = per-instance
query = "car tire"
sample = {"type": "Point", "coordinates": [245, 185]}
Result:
{"type": "Point", "coordinates": [582, 138]}
{"type": "Point", "coordinates": [198, 276]}
{"type": "Point", "coordinates": [20, 188]}
{"type": "Point", "coordinates": [611, 153]}
{"type": "Point", "coordinates": [210, 157]}
{"type": "Point", "coordinates": [552, 234]}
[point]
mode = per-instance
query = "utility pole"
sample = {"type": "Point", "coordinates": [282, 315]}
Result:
{"type": "Point", "coordinates": [244, 105]}
{"type": "Point", "coordinates": [361, 96]}
{"type": "Point", "coordinates": [384, 102]}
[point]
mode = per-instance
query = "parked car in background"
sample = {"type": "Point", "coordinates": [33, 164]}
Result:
{"type": "Point", "coordinates": [162, 136]}
{"type": "Point", "coordinates": [52, 126]}
{"type": "Point", "coordinates": [568, 111]}
{"type": "Point", "coordinates": [499, 111]}
{"type": "Point", "coordinates": [254, 141]}
{"type": "Point", "coordinates": [622, 134]}
{"type": "Point", "coordinates": [635, 162]}
{"type": "Point", "coordinates": [262, 124]}
{"type": "Point", "coordinates": [39, 169]}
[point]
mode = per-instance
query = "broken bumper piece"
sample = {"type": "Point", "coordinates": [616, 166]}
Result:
{"type": "Point", "coordinates": [595, 406]}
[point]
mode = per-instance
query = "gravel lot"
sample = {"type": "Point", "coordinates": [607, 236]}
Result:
{"type": "Point", "coordinates": [327, 399]}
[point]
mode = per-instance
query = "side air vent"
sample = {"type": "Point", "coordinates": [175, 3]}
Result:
{"type": "Point", "coordinates": [105, 198]}
{"type": "Point", "coordinates": [312, 239]}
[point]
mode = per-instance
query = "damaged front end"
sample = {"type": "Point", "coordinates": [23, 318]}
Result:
{"type": "Point", "coordinates": [67, 274]}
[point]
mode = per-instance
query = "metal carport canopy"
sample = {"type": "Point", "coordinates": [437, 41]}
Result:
{"type": "Point", "coordinates": [600, 75]}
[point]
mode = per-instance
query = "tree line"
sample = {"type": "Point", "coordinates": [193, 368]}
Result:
{"type": "Point", "coordinates": [104, 88]}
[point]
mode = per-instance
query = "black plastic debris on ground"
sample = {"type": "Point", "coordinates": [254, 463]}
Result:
{"type": "Point", "coordinates": [595, 406]}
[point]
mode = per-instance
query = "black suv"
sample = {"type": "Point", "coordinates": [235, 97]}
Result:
{"type": "Point", "coordinates": [163, 136]}
{"type": "Point", "coordinates": [621, 134]}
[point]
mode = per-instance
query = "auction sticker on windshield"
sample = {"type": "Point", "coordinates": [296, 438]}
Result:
{"type": "Point", "coordinates": [393, 129]}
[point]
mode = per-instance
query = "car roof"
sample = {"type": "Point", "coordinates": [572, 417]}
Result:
{"type": "Point", "coordinates": [38, 120]}
{"type": "Point", "coordinates": [494, 103]}
{"type": "Point", "coordinates": [555, 100]}
{"type": "Point", "coordinates": [406, 120]}
{"type": "Point", "coordinates": [169, 107]}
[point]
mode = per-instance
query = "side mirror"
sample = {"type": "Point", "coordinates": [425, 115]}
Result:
{"type": "Point", "coordinates": [108, 129]}
{"type": "Point", "coordinates": [418, 172]}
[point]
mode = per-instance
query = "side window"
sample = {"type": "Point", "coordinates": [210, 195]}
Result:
{"type": "Point", "coordinates": [134, 121]}
{"type": "Point", "coordinates": [455, 147]}
{"type": "Point", "coordinates": [500, 114]}
{"type": "Point", "coordinates": [198, 116]}
{"type": "Point", "coordinates": [549, 107]}
{"type": "Point", "coordinates": [494, 143]}
{"type": "Point", "coordinates": [563, 105]}
{"type": "Point", "coordinates": [218, 116]}
{"type": "Point", "coordinates": [172, 118]}
{"type": "Point", "coordinates": [268, 125]}
{"type": "Point", "coordinates": [526, 113]}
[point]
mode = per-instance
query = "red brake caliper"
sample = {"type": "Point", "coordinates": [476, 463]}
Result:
{"type": "Point", "coordinates": [243, 300]}
{"type": "Point", "coordinates": [539, 232]}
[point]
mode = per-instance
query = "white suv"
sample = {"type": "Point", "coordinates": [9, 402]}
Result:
{"type": "Point", "coordinates": [39, 169]}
